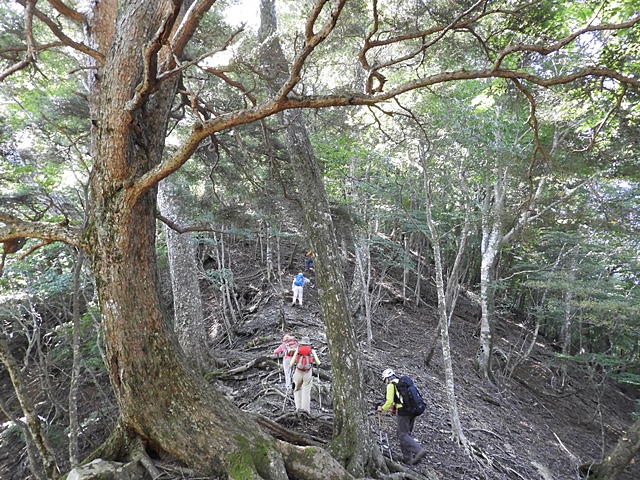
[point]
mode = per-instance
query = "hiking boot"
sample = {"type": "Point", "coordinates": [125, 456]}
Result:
{"type": "Point", "coordinates": [418, 456]}
{"type": "Point", "coordinates": [406, 460]}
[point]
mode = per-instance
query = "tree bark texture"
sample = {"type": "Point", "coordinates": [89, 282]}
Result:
{"type": "Point", "coordinates": [161, 399]}
{"type": "Point", "coordinates": [619, 457]}
{"type": "Point", "coordinates": [492, 212]}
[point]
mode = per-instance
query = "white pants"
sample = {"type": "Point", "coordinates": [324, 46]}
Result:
{"type": "Point", "coordinates": [297, 294]}
{"type": "Point", "coordinates": [286, 364]}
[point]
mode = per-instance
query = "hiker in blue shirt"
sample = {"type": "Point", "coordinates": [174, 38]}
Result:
{"type": "Point", "coordinates": [297, 286]}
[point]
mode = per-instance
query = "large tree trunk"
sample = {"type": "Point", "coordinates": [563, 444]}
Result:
{"type": "Point", "coordinates": [161, 399]}
{"type": "Point", "coordinates": [352, 444]}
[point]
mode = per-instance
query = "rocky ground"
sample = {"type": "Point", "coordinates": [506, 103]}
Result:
{"type": "Point", "coordinates": [529, 425]}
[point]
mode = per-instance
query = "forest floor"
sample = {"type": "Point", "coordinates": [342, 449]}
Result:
{"type": "Point", "coordinates": [536, 423]}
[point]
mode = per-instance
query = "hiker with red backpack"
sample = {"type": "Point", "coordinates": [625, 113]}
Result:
{"type": "Point", "coordinates": [303, 361]}
{"type": "Point", "coordinates": [287, 349]}
{"type": "Point", "coordinates": [404, 399]}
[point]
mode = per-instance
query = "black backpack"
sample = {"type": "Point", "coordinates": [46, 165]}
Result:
{"type": "Point", "coordinates": [412, 403]}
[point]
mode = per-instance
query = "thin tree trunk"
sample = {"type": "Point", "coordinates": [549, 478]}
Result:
{"type": "Point", "coordinates": [492, 235]}
{"type": "Point", "coordinates": [447, 298]}
{"type": "Point", "coordinates": [77, 363]}
{"type": "Point", "coordinates": [419, 265]}
{"type": "Point", "coordinates": [35, 462]}
{"type": "Point", "coordinates": [34, 425]}
{"type": "Point", "coordinates": [493, 238]}
{"type": "Point", "coordinates": [270, 270]}
{"type": "Point", "coordinates": [405, 267]}
{"type": "Point", "coordinates": [227, 307]}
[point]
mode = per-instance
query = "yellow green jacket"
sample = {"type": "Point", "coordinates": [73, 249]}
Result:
{"type": "Point", "coordinates": [391, 396]}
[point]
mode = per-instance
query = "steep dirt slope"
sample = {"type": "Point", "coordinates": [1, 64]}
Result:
{"type": "Point", "coordinates": [523, 427]}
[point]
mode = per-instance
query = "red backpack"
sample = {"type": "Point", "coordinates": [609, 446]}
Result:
{"type": "Point", "coordinates": [305, 358]}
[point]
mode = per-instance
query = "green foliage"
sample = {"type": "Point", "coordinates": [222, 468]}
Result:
{"type": "Point", "coordinates": [221, 277]}
{"type": "Point", "coordinates": [257, 341]}
{"type": "Point", "coordinates": [12, 433]}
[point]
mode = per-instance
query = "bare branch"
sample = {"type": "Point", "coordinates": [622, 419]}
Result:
{"type": "Point", "coordinates": [222, 74]}
{"type": "Point", "coordinates": [12, 227]}
{"type": "Point", "coordinates": [284, 101]}
{"type": "Point", "coordinates": [606, 118]}
{"type": "Point", "coordinates": [62, 37]}
{"type": "Point", "coordinates": [225, 45]}
{"type": "Point", "coordinates": [193, 228]}
{"type": "Point", "coordinates": [459, 23]}
{"type": "Point", "coordinates": [312, 40]}
{"type": "Point", "coordinates": [189, 23]}
{"type": "Point", "coordinates": [68, 11]}
{"type": "Point", "coordinates": [149, 77]}
{"type": "Point", "coordinates": [30, 56]}
{"type": "Point", "coordinates": [542, 50]}
{"type": "Point", "coordinates": [242, 117]}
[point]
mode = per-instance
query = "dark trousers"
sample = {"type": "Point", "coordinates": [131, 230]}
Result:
{"type": "Point", "coordinates": [408, 444]}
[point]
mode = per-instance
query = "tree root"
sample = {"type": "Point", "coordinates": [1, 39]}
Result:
{"type": "Point", "coordinates": [282, 433]}
{"type": "Point", "coordinates": [116, 447]}
{"type": "Point", "coordinates": [400, 472]}
{"type": "Point", "coordinates": [140, 455]}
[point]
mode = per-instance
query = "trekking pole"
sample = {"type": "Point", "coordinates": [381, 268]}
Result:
{"type": "Point", "coordinates": [288, 390]}
{"type": "Point", "coordinates": [319, 391]}
{"type": "Point", "coordinates": [286, 397]}
{"type": "Point", "coordinates": [384, 439]}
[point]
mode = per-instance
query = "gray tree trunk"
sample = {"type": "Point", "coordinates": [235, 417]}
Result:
{"type": "Point", "coordinates": [352, 445]}
{"type": "Point", "coordinates": [493, 238]}
{"type": "Point", "coordinates": [618, 458]}
{"type": "Point", "coordinates": [188, 318]}
{"type": "Point", "coordinates": [447, 298]}
{"type": "Point", "coordinates": [74, 426]}
{"type": "Point", "coordinates": [44, 465]}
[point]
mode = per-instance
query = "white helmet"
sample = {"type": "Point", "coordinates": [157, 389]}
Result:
{"type": "Point", "coordinates": [388, 373]}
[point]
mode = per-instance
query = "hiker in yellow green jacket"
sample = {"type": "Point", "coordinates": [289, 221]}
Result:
{"type": "Point", "coordinates": [412, 451]}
